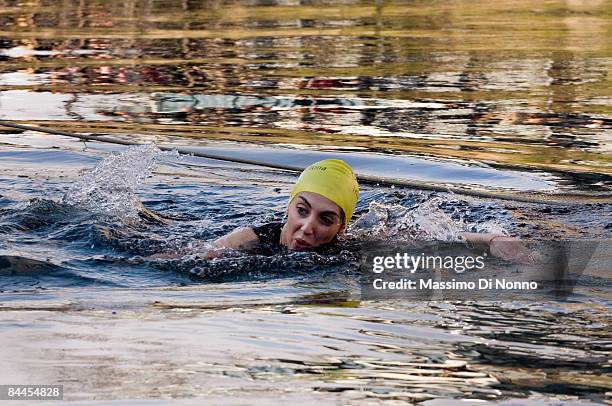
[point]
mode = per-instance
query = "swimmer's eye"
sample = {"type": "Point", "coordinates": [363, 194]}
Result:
{"type": "Point", "coordinates": [328, 221]}
{"type": "Point", "coordinates": [302, 211]}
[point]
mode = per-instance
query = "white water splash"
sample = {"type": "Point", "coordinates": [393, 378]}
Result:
{"type": "Point", "coordinates": [490, 227]}
{"type": "Point", "coordinates": [110, 187]}
{"type": "Point", "coordinates": [424, 222]}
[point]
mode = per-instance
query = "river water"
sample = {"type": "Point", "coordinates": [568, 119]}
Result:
{"type": "Point", "coordinates": [511, 98]}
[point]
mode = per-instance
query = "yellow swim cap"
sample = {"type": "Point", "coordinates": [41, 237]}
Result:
{"type": "Point", "coordinates": [331, 178]}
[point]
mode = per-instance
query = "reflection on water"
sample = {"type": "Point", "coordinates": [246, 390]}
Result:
{"type": "Point", "coordinates": [227, 341]}
{"type": "Point", "coordinates": [524, 85]}
{"type": "Point", "coordinates": [513, 95]}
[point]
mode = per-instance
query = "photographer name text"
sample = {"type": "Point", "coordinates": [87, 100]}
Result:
{"type": "Point", "coordinates": [430, 284]}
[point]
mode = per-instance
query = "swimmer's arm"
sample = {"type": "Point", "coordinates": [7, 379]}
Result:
{"type": "Point", "coordinates": [243, 238]}
{"type": "Point", "coordinates": [240, 238]}
{"type": "Point", "coordinates": [501, 246]}
{"type": "Point", "coordinates": [481, 239]}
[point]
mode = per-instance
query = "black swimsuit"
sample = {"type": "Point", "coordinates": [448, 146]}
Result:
{"type": "Point", "coordinates": [269, 234]}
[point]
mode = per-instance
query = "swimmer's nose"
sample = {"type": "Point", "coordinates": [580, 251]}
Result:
{"type": "Point", "coordinates": [308, 225]}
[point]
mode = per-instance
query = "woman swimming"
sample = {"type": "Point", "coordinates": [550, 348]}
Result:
{"type": "Point", "coordinates": [320, 207]}
{"type": "Point", "coordinates": [321, 204]}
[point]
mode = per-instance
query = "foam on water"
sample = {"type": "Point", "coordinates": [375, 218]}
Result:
{"type": "Point", "coordinates": [420, 222]}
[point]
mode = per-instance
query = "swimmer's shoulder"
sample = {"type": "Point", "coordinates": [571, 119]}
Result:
{"type": "Point", "coordinates": [250, 237]}
{"type": "Point", "coordinates": [240, 238]}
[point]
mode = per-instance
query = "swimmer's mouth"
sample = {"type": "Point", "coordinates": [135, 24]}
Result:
{"type": "Point", "coordinates": [301, 244]}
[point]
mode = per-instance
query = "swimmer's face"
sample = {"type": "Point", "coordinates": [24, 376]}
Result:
{"type": "Point", "coordinates": [312, 220]}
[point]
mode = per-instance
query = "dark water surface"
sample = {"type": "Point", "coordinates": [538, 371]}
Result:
{"type": "Point", "coordinates": [505, 97]}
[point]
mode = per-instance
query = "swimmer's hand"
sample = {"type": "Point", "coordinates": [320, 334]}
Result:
{"type": "Point", "coordinates": [510, 249]}
{"type": "Point", "coordinates": [151, 217]}
{"type": "Point", "coordinates": [502, 246]}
